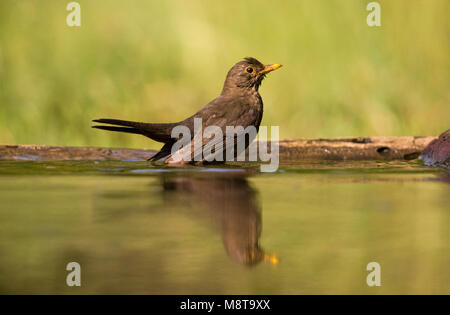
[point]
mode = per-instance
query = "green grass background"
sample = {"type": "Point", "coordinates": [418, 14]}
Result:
{"type": "Point", "coordinates": [161, 61]}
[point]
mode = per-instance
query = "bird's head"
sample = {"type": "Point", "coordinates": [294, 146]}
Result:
{"type": "Point", "coordinates": [247, 74]}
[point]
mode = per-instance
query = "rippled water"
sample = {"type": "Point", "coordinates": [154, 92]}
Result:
{"type": "Point", "coordinates": [308, 228]}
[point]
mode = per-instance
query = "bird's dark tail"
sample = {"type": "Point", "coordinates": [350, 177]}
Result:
{"type": "Point", "coordinates": [157, 132]}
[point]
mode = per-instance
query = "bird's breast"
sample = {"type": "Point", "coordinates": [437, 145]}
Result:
{"type": "Point", "coordinates": [255, 101]}
{"type": "Point", "coordinates": [255, 109]}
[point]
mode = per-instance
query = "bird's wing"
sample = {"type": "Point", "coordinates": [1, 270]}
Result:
{"type": "Point", "coordinates": [229, 111]}
{"type": "Point", "coordinates": [216, 117]}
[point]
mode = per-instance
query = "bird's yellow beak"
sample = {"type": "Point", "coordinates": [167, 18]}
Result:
{"type": "Point", "coordinates": [269, 68]}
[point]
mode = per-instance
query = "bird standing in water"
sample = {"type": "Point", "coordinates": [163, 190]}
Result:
{"type": "Point", "coordinates": [239, 104]}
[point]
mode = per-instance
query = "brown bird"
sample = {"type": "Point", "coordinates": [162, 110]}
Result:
{"type": "Point", "coordinates": [239, 104]}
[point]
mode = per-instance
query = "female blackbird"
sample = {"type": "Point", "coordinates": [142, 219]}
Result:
{"type": "Point", "coordinates": [239, 104]}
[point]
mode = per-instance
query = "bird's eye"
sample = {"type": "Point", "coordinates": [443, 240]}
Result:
{"type": "Point", "coordinates": [249, 69]}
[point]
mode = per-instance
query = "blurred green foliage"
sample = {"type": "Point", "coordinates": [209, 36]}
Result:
{"type": "Point", "coordinates": [160, 61]}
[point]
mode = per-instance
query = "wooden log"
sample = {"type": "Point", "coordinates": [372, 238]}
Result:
{"type": "Point", "coordinates": [61, 153]}
{"type": "Point", "coordinates": [348, 149]}
{"type": "Point", "coordinates": [334, 149]}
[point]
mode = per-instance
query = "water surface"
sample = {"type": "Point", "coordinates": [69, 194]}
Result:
{"type": "Point", "coordinates": [140, 228]}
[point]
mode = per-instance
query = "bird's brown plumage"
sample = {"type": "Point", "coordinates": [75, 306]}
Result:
{"type": "Point", "coordinates": [239, 104]}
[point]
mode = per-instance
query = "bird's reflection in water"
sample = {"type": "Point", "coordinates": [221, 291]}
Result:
{"type": "Point", "coordinates": [234, 205]}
